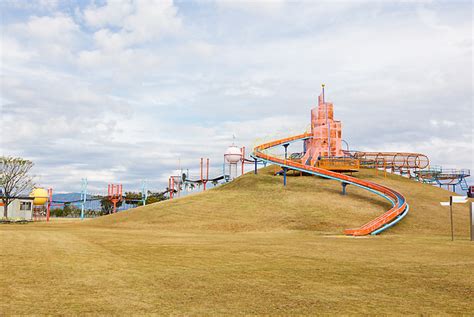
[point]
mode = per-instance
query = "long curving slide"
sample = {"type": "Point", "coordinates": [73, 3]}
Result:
{"type": "Point", "coordinates": [389, 218]}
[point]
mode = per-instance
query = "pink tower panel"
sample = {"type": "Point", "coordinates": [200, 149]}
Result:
{"type": "Point", "coordinates": [321, 118]}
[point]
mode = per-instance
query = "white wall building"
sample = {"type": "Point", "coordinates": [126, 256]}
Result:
{"type": "Point", "coordinates": [19, 208]}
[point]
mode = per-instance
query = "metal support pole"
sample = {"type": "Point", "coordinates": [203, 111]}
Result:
{"type": "Point", "coordinates": [243, 159]}
{"type": "Point", "coordinates": [286, 150]}
{"type": "Point", "coordinates": [201, 167]}
{"type": "Point", "coordinates": [284, 176]}
{"type": "Point", "coordinates": [50, 199]}
{"type": "Point", "coordinates": [144, 193]}
{"type": "Point", "coordinates": [172, 188]}
{"type": "Point", "coordinates": [207, 173]}
{"type": "Point", "coordinates": [84, 196]}
{"type": "Point", "coordinates": [344, 187]}
{"type": "Point", "coordinates": [451, 216]}
{"type": "Point", "coordinates": [169, 188]}
{"type": "Point", "coordinates": [255, 166]}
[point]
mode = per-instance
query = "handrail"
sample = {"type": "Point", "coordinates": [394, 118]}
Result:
{"type": "Point", "coordinates": [398, 201]}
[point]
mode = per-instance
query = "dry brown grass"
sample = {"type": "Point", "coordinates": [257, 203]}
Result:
{"type": "Point", "coordinates": [250, 247]}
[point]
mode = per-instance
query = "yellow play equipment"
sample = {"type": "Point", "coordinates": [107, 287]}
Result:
{"type": "Point", "coordinates": [40, 196]}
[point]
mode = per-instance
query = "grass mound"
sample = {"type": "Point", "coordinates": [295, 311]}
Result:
{"type": "Point", "coordinates": [261, 203]}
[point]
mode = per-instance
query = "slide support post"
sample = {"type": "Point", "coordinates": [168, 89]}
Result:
{"type": "Point", "coordinates": [344, 184]}
{"type": "Point", "coordinates": [286, 150]}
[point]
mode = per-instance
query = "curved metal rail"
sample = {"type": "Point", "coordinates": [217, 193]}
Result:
{"type": "Point", "coordinates": [393, 160]}
{"type": "Point", "coordinates": [375, 226]}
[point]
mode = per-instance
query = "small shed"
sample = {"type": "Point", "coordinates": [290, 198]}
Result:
{"type": "Point", "coordinates": [19, 208]}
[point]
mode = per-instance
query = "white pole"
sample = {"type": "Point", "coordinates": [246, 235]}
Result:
{"type": "Point", "coordinates": [471, 213]}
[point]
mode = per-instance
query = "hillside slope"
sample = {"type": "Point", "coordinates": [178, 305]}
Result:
{"type": "Point", "coordinates": [261, 203]}
{"type": "Point", "coordinates": [250, 247]}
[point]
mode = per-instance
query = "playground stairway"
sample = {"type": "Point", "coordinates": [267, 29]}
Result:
{"type": "Point", "coordinates": [389, 218]}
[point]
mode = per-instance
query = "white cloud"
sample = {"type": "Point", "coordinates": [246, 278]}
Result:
{"type": "Point", "coordinates": [263, 7]}
{"type": "Point", "coordinates": [111, 14]}
{"type": "Point", "coordinates": [138, 22]}
{"type": "Point", "coordinates": [49, 39]}
{"type": "Point", "coordinates": [12, 52]}
{"type": "Point", "coordinates": [50, 29]}
{"type": "Point", "coordinates": [123, 91]}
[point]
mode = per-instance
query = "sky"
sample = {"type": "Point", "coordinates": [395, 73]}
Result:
{"type": "Point", "coordinates": [123, 91]}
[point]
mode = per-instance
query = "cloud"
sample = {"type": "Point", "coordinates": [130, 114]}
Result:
{"type": "Point", "coordinates": [138, 22]}
{"type": "Point", "coordinates": [261, 7]}
{"type": "Point", "coordinates": [111, 14]}
{"type": "Point", "coordinates": [36, 5]}
{"type": "Point", "coordinates": [129, 90]}
{"type": "Point", "coordinates": [42, 41]}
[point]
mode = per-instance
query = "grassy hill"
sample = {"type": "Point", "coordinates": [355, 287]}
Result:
{"type": "Point", "coordinates": [248, 247]}
{"type": "Point", "coordinates": [261, 203]}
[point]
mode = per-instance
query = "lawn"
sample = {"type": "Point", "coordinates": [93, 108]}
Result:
{"type": "Point", "coordinates": [249, 247]}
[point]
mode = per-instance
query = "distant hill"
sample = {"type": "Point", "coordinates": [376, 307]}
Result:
{"type": "Point", "coordinates": [68, 197]}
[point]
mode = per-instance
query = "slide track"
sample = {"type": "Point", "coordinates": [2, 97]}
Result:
{"type": "Point", "coordinates": [386, 220]}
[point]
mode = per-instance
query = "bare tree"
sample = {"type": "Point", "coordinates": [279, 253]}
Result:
{"type": "Point", "coordinates": [14, 179]}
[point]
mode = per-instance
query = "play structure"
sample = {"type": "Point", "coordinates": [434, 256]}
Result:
{"type": "Point", "coordinates": [437, 175]}
{"type": "Point", "coordinates": [177, 182]}
{"type": "Point", "coordinates": [114, 193]}
{"type": "Point", "coordinates": [323, 156]}
{"type": "Point", "coordinates": [44, 202]}
{"type": "Point", "coordinates": [42, 199]}
{"type": "Point", "coordinates": [234, 157]}
{"type": "Point", "coordinates": [401, 162]}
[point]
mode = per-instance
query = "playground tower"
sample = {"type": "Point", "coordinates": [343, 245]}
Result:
{"type": "Point", "coordinates": [327, 132]}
